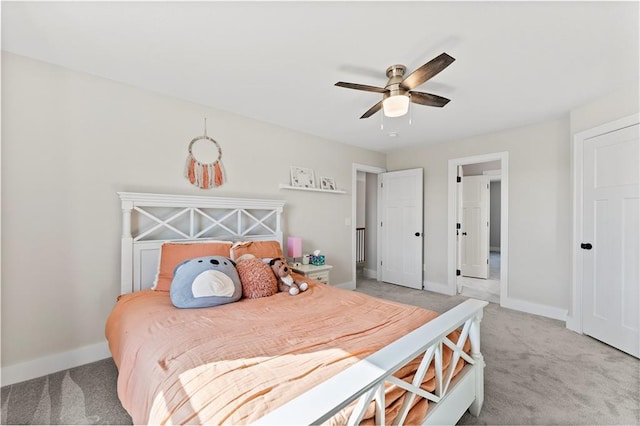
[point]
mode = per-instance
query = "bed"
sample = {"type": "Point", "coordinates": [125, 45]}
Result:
{"type": "Point", "coordinates": [324, 356]}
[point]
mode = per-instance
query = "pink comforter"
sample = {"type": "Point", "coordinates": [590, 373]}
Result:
{"type": "Point", "coordinates": [236, 362]}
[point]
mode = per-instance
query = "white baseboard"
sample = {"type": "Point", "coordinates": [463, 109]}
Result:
{"type": "Point", "coordinates": [371, 274]}
{"type": "Point", "coordinates": [534, 308]}
{"type": "Point", "coordinates": [573, 324]}
{"type": "Point", "coordinates": [437, 287]}
{"type": "Point", "coordinates": [53, 363]}
{"type": "Point", "coordinates": [350, 285]}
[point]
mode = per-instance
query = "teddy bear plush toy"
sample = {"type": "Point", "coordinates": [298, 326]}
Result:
{"type": "Point", "coordinates": [286, 283]}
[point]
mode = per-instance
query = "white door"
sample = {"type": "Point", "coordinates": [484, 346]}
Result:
{"type": "Point", "coordinates": [475, 226]}
{"type": "Point", "coordinates": [611, 239]}
{"type": "Point", "coordinates": [401, 227]}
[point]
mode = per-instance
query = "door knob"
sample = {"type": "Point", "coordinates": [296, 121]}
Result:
{"type": "Point", "coordinates": [417, 234]}
{"type": "Point", "coordinates": [586, 246]}
{"type": "Point", "coordinates": [464, 233]}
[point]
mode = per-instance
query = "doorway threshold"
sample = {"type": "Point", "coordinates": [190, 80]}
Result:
{"type": "Point", "coordinates": [476, 288]}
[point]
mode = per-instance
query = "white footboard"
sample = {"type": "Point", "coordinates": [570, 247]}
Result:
{"type": "Point", "coordinates": [365, 380]}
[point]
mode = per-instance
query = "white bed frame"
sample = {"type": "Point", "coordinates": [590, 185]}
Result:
{"type": "Point", "coordinates": [148, 220]}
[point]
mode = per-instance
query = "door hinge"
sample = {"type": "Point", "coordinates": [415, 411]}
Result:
{"type": "Point", "coordinates": [458, 273]}
{"type": "Point", "coordinates": [487, 261]}
{"type": "Point", "coordinates": [458, 225]}
{"type": "Point", "coordinates": [381, 224]}
{"type": "Point", "coordinates": [381, 184]}
{"type": "Point", "coordinates": [458, 179]}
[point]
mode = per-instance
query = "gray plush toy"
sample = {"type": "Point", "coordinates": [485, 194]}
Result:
{"type": "Point", "coordinates": [204, 282]}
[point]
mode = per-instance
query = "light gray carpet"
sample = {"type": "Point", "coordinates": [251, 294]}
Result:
{"type": "Point", "coordinates": [537, 372]}
{"type": "Point", "coordinates": [80, 396]}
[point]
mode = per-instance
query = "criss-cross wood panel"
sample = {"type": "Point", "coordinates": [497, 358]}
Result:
{"type": "Point", "coordinates": [364, 382]}
{"type": "Point", "coordinates": [148, 220]}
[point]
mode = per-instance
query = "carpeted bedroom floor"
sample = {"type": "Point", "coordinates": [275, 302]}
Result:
{"type": "Point", "coordinates": [537, 372]}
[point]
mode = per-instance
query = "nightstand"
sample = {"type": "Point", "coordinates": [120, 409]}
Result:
{"type": "Point", "coordinates": [315, 272]}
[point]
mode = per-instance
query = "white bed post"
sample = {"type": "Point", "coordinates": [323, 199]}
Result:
{"type": "Point", "coordinates": [126, 259]}
{"type": "Point", "coordinates": [474, 337]}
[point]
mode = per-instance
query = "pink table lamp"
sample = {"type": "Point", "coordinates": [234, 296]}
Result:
{"type": "Point", "coordinates": [294, 248]}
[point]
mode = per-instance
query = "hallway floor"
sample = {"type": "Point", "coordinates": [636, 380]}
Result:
{"type": "Point", "coordinates": [488, 289]}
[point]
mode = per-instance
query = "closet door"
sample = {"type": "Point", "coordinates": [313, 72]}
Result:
{"type": "Point", "coordinates": [401, 226]}
{"type": "Point", "coordinates": [611, 239]}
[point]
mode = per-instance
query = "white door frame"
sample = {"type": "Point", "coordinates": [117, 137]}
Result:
{"type": "Point", "coordinates": [504, 218]}
{"type": "Point", "coordinates": [355, 168]}
{"type": "Point", "coordinates": [574, 319]}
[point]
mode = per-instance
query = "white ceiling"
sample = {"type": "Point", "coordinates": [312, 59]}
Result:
{"type": "Point", "coordinates": [517, 63]}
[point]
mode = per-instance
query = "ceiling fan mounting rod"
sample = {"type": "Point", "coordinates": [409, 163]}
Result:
{"type": "Point", "coordinates": [395, 73]}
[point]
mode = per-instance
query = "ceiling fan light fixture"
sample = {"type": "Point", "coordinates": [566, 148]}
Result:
{"type": "Point", "coordinates": [396, 106]}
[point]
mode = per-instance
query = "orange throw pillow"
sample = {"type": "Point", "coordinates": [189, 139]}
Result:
{"type": "Point", "coordinates": [260, 249]}
{"type": "Point", "coordinates": [171, 254]}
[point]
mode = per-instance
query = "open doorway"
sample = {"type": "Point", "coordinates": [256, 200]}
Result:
{"type": "Point", "coordinates": [478, 238]}
{"type": "Point", "coordinates": [478, 267]}
{"type": "Point", "coordinates": [366, 229]}
{"type": "Point", "coordinates": [364, 219]}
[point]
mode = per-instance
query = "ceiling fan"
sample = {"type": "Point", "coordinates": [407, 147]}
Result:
{"type": "Point", "coordinates": [398, 92]}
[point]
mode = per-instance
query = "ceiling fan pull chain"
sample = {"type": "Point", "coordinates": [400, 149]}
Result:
{"type": "Point", "coordinates": [381, 121]}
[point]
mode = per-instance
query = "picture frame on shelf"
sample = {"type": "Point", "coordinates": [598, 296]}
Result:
{"type": "Point", "coordinates": [302, 177]}
{"type": "Point", "coordinates": [327, 183]}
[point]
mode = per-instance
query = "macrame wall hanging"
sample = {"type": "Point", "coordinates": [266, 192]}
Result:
{"type": "Point", "coordinates": [204, 175]}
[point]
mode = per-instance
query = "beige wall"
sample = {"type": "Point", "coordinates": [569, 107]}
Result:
{"type": "Point", "coordinates": [71, 140]}
{"type": "Point", "coordinates": [539, 206]}
{"type": "Point", "coordinates": [618, 104]}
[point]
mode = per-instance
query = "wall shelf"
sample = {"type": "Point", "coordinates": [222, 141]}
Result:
{"type": "Point", "coordinates": [299, 188]}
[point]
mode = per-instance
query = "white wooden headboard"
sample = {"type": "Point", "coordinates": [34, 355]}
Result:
{"type": "Point", "coordinates": [148, 220]}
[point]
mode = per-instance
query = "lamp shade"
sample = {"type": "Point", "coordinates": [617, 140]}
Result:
{"type": "Point", "coordinates": [396, 106]}
{"type": "Point", "coordinates": [294, 246]}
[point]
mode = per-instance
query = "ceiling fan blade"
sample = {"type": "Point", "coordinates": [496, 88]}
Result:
{"type": "Point", "coordinates": [428, 99]}
{"type": "Point", "coordinates": [377, 107]}
{"type": "Point", "coordinates": [427, 71]}
{"type": "Point", "coordinates": [361, 87]}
